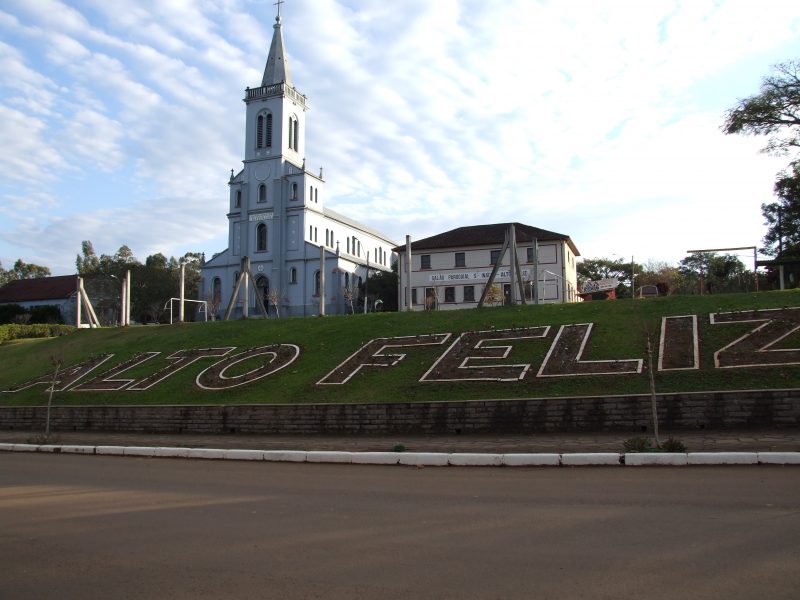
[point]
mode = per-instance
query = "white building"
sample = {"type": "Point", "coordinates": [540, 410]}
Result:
{"type": "Point", "coordinates": [277, 215]}
{"type": "Point", "coordinates": [450, 270]}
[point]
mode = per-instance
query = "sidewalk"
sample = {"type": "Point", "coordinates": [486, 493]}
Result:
{"type": "Point", "coordinates": [775, 440]}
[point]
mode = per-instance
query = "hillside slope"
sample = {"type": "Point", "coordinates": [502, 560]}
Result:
{"type": "Point", "coordinates": [545, 353]}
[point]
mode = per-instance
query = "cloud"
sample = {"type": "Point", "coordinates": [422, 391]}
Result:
{"type": "Point", "coordinates": [595, 119]}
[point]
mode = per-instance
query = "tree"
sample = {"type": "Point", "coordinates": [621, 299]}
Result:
{"type": "Point", "coordinates": [775, 112]}
{"type": "Point", "coordinates": [153, 283]}
{"type": "Point", "coordinates": [22, 270]}
{"type": "Point", "coordinates": [383, 286]}
{"type": "Point", "coordinates": [710, 273]}
{"type": "Point", "coordinates": [782, 218]}
{"type": "Point", "coordinates": [593, 269]}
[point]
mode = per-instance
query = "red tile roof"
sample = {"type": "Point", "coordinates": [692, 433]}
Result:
{"type": "Point", "coordinates": [45, 288]}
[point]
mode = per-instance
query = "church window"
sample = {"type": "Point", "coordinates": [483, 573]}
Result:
{"type": "Point", "coordinates": [449, 294]}
{"type": "Point", "coordinates": [530, 254]}
{"type": "Point", "coordinates": [292, 275]}
{"type": "Point", "coordinates": [469, 293]}
{"type": "Point", "coordinates": [316, 194]}
{"type": "Point", "coordinates": [262, 193]}
{"type": "Point", "coordinates": [238, 203]}
{"type": "Point", "coordinates": [294, 191]}
{"type": "Point", "coordinates": [316, 283]}
{"type": "Point", "coordinates": [460, 260]}
{"type": "Point", "coordinates": [261, 238]}
{"type": "Point", "coordinates": [413, 296]}
{"type": "Point", "coordinates": [327, 237]}
{"type": "Point", "coordinates": [348, 245]}
{"type": "Point", "coordinates": [316, 231]}
{"type": "Point", "coordinates": [332, 238]}
{"type": "Point", "coordinates": [268, 140]}
{"type": "Point", "coordinates": [347, 280]}
{"type": "Point", "coordinates": [424, 261]}
{"type": "Point", "coordinates": [291, 133]}
{"type": "Point", "coordinates": [296, 133]}
{"type": "Point", "coordinates": [216, 290]}
{"type": "Point", "coordinates": [310, 233]}
{"type": "Point", "coordinates": [494, 256]}
{"type": "Point", "coordinates": [260, 131]}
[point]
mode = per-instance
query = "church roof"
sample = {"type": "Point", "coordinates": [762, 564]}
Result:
{"type": "Point", "coordinates": [332, 214]}
{"type": "Point", "coordinates": [277, 69]}
{"type": "Point", "coordinates": [487, 235]}
{"type": "Point", "coordinates": [44, 288]}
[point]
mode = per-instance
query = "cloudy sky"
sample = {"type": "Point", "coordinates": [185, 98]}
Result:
{"type": "Point", "coordinates": [121, 119]}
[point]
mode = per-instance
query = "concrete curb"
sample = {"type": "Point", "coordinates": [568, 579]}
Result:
{"type": "Point", "coordinates": [429, 459]}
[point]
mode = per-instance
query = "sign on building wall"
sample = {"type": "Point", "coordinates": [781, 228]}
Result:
{"type": "Point", "coordinates": [472, 276]}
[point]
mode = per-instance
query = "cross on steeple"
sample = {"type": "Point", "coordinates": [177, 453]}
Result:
{"type": "Point", "coordinates": [278, 4]}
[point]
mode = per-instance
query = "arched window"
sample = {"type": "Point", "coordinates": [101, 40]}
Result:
{"type": "Point", "coordinates": [216, 290]}
{"type": "Point", "coordinates": [310, 233]}
{"type": "Point", "coordinates": [292, 275]}
{"type": "Point", "coordinates": [348, 245]}
{"type": "Point", "coordinates": [316, 283]}
{"type": "Point", "coordinates": [347, 280]}
{"type": "Point", "coordinates": [316, 194]}
{"type": "Point", "coordinates": [294, 191]}
{"type": "Point", "coordinates": [262, 283]}
{"type": "Point", "coordinates": [294, 133]}
{"type": "Point", "coordinates": [262, 193]}
{"type": "Point", "coordinates": [261, 238]}
{"type": "Point", "coordinates": [238, 203]}
{"type": "Point", "coordinates": [264, 131]}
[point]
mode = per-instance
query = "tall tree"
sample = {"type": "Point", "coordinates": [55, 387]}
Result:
{"type": "Point", "coordinates": [775, 112]}
{"type": "Point", "coordinates": [714, 273]}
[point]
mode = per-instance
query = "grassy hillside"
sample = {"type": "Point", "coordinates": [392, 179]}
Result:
{"type": "Point", "coordinates": [619, 332]}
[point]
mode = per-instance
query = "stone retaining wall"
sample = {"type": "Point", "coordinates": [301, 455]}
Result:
{"type": "Point", "coordinates": [712, 410]}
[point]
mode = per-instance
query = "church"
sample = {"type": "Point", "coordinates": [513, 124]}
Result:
{"type": "Point", "coordinates": [305, 259]}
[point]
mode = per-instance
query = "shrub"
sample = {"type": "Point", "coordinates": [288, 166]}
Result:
{"type": "Point", "coordinates": [13, 331]}
{"type": "Point", "coordinates": [10, 312]}
{"type": "Point", "coordinates": [638, 444]}
{"type": "Point", "coordinates": [45, 314]}
{"type": "Point", "coordinates": [673, 445]}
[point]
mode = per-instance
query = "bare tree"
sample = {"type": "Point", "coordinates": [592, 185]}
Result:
{"type": "Point", "coordinates": [212, 305]}
{"type": "Point", "coordinates": [275, 297]}
{"type": "Point", "coordinates": [350, 294]}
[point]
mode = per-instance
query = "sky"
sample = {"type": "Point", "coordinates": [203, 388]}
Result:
{"type": "Point", "coordinates": [120, 120]}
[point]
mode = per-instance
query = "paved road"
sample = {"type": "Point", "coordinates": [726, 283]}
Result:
{"type": "Point", "coordinates": [105, 527]}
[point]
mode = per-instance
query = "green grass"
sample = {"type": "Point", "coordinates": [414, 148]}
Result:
{"type": "Point", "coordinates": [620, 329]}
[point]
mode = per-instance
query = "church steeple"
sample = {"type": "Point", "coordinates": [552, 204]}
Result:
{"type": "Point", "coordinates": [277, 69]}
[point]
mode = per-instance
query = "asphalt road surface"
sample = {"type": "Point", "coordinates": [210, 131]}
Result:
{"type": "Point", "coordinates": [107, 527]}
